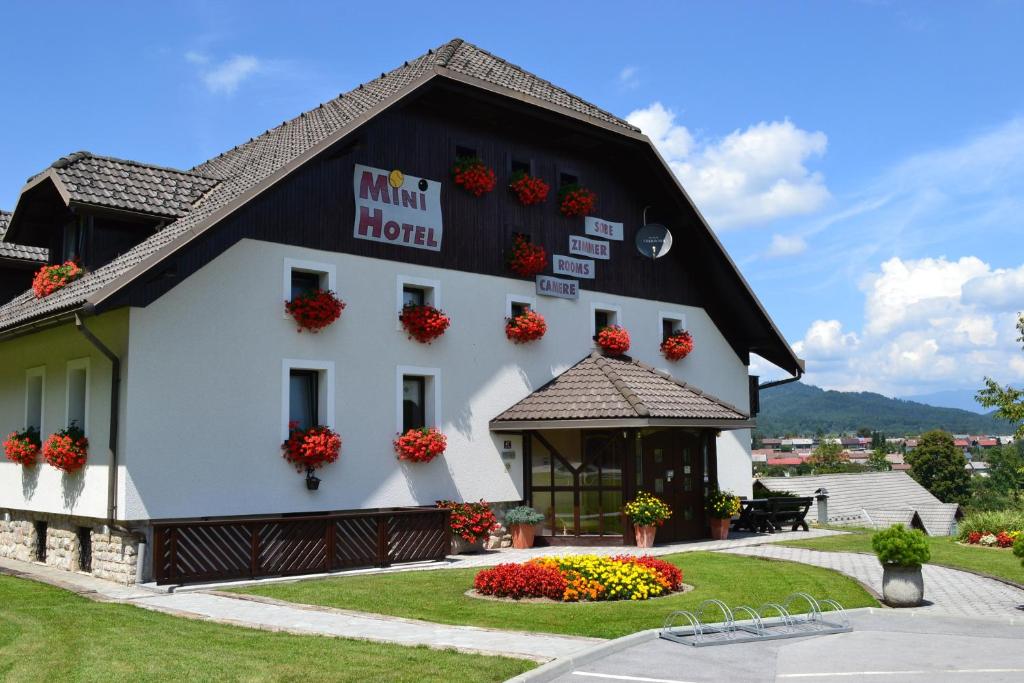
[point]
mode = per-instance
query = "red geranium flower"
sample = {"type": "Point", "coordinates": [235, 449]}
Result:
{"type": "Point", "coordinates": [576, 200]}
{"type": "Point", "coordinates": [678, 346]}
{"type": "Point", "coordinates": [23, 447]}
{"type": "Point", "coordinates": [471, 521]}
{"type": "Point", "coordinates": [315, 310]}
{"type": "Point", "coordinates": [310, 449]}
{"type": "Point", "coordinates": [424, 323]}
{"type": "Point", "coordinates": [67, 449]}
{"type": "Point", "coordinates": [471, 174]}
{"type": "Point", "coordinates": [527, 259]}
{"type": "Point", "coordinates": [528, 189]}
{"type": "Point", "coordinates": [49, 279]}
{"type": "Point", "coordinates": [421, 445]}
{"type": "Point", "coordinates": [525, 327]}
{"type": "Point", "coordinates": [614, 339]}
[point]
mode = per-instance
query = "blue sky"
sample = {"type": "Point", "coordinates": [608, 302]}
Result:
{"type": "Point", "coordinates": [862, 161]}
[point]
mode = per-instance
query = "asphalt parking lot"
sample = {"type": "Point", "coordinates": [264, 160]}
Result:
{"type": "Point", "coordinates": [885, 645]}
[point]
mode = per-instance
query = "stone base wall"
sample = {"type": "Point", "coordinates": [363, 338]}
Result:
{"type": "Point", "coordinates": [114, 554]}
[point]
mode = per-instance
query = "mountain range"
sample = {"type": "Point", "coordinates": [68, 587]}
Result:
{"type": "Point", "coordinates": [804, 409]}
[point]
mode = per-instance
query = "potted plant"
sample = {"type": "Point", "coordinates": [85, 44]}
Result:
{"type": "Point", "coordinates": [528, 189]}
{"type": "Point", "coordinates": [901, 551]}
{"type": "Point", "coordinates": [311, 449]}
{"type": "Point", "coordinates": [421, 445]}
{"type": "Point", "coordinates": [23, 447]}
{"type": "Point", "coordinates": [315, 310]}
{"type": "Point", "coordinates": [647, 513]}
{"type": "Point", "coordinates": [424, 323]}
{"type": "Point", "coordinates": [525, 327]}
{"type": "Point", "coordinates": [49, 279]}
{"type": "Point", "coordinates": [613, 340]}
{"type": "Point", "coordinates": [575, 200]}
{"type": "Point", "coordinates": [523, 521]}
{"type": "Point", "coordinates": [67, 449]}
{"type": "Point", "coordinates": [527, 260]}
{"type": "Point", "coordinates": [721, 506]}
{"type": "Point", "coordinates": [678, 346]}
{"type": "Point", "coordinates": [473, 175]}
{"type": "Point", "coordinates": [470, 523]}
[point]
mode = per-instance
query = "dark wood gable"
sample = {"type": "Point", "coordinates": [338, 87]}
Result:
{"type": "Point", "coordinates": [314, 206]}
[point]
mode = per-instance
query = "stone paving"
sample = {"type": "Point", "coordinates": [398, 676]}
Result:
{"type": "Point", "coordinates": [949, 591]}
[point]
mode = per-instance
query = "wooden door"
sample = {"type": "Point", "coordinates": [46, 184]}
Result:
{"type": "Point", "coordinates": [673, 470]}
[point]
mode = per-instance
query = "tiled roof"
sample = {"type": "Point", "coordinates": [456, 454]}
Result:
{"type": "Point", "coordinates": [850, 495]}
{"type": "Point", "coordinates": [129, 185]}
{"type": "Point", "coordinates": [244, 167]}
{"type": "Point", "coordinates": [18, 251]}
{"type": "Point", "coordinates": [605, 388]}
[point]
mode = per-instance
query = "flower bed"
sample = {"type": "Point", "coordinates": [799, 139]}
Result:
{"type": "Point", "coordinates": [23, 447]}
{"type": "Point", "coordinates": [315, 310]}
{"type": "Point", "coordinates": [67, 449]}
{"type": "Point", "coordinates": [996, 528]}
{"type": "Point", "coordinates": [527, 260]}
{"type": "Point", "coordinates": [678, 346]}
{"type": "Point", "coordinates": [424, 323]}
{"type": "Point", "coordinates": [576, 200]}
{"type": "Point", "coordinates": [529, 190]}
{"type": "Point", "coordinates": [614, 339]}
{"type": "Point", "coordinates": [1001, 539]}
{"type": "Point", "coordinates": [310, 449]}
{"type": "Point", "coordinates": [473, 175]}
{"type": "Point", "coordinates": [470, 521]}
{"type": "Point", "coordinates": [575, 578]}
{"type": "Point", "coordinates": [526, 327]}
{"type": "Point", "coordinates": [421, 445]}
{"type": "Point", "coordinates": [49, 279]}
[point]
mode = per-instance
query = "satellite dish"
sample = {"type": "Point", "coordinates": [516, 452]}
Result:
{"type": "Point", "coordinates": [653, 240]}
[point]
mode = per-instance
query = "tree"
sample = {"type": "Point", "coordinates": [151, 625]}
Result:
{"type": "Point", "coordinates": [1008, 402]}
{"type": "Point", "coordinates": [939, 466]}
{"type": "Point", "coordinates": [827, 458]}
{"type": "Point", "coordinates": [877, 460]}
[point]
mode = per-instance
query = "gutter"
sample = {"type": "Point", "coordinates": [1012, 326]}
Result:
{"type": "Point", "coordinates": [780, 382]}
{"type": "Point", "coordinates": [115, 400]}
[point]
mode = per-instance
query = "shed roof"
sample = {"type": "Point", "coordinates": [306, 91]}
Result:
{"type": "Point", "coordinates": [619, 392]}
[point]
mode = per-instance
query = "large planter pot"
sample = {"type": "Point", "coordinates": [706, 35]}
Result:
{"type": "Point", "coordinates": [902, 586]}
{"type": "Point", "coordinates": [720, 528]}
{"type": "Point", "coordinates": [461, 546]}
{"type": "Point", "coordinates": [522, 535]}
{"type": "Point", "coordinates": [644, 535]}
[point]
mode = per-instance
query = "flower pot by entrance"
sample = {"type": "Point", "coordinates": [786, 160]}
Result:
{"type": "Point", "coordinates": [522, 535]}
{"type": "Point", "coordinates": [902, 586]}
{"type": "Point", "coordinates": [720, 528]}
{"type": "Point", "coordinates": [461, 546]}
{"type": "Point", "coordinates": [645, 536]}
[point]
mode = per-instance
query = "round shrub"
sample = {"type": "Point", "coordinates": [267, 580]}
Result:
{"type": "Point", "coordinates": [1018, 548]}
{"type": "Point", "coordinates": [900, 546]}
{"type": "Point", "coordinates": [524, 514]}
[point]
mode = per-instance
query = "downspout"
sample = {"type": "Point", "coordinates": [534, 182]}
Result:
{"type": "Point", "coordinates": [115, 393]}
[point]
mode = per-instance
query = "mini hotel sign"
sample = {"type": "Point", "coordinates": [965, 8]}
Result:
{"type": "Point", "coordinates": [396, 209]}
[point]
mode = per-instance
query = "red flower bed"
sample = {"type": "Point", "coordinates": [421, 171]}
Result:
{"type": "Point", "coordinates": [575, 200]}
{"type": "Point", "coordinates": [974, 537]}
{"type": "Point", "coordinates": [67, 449]}
{"type": "Point", "coordinates": [49, 279]}
{"type": "Point", "coordinates": [614, 339]}
{"type": "Point", "coordinates": [672, 574]}
{"type": "Point", "coordinates": [526, 327]}
{"type": "Point", "coordinates": [521, 581]}
{"type": "Point", "coordinates": [424, 323]}
{"type": "Point", "coordinates": [23, 447]}
{"type": "Point", "coordinates": [678, 346]}
{"type": "Point", "coordinates": [528, 189]}
{"type": "Point", "coordinates": [471, 521]}
{"type": "Point", "coordinates": [1004, 540]}
{"type": "Point", "coordinates": [421, 445]}
{"type": "Point", "coordinates": [471, 174]}
{"type": "Point", "coordinates": [527, 259]}
{"type": "Point", "coordinates": [310, 449]}
{"type": "Point", "coordinates": [315, 310]}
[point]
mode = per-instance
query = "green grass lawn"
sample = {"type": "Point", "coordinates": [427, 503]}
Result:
{"type": "Point", "coordinates": [439, 596]}
{"type": "Point", "coordinates": [998, 562]}
{"type": "Point", "coordinates": [48, 634]}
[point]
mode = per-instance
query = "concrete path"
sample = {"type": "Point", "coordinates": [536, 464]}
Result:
{"type": "Point", "coordinates": [948, 590]}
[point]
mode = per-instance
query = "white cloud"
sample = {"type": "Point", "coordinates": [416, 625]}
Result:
{"type": "Point", "coordinates": [786, 245]}
{"type": "Point", "coordinates": [628, 77]}
{"type": "Point", "coordinates": [223, 78]}
{"type": "Point", "coordinates": [747, 177]}
{"type": "Point", "coordinates": [825, 340]}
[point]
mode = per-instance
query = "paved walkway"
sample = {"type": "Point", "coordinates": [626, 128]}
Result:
{"type": "Point", "coordinates": [948, 590]}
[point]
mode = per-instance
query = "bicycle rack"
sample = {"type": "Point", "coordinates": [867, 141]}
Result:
{"type": "Point", "coordinates": [771, 621]}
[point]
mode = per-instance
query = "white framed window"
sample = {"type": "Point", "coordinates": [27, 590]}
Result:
{"type": "Point", "coordinates": [517, 304]}
{"type": "Point", "coordinates": [300, 276]}
{"type": "Point", "coordinates": [603, 315]}
{"type": "Point", "coordinates": [307, 393]}
{"type": "Point", "coordinates": [418, 398]}
{"type": "Point", "coordinates": [76, 394]}
{"type": "Point", "coordinates": [35, 397]}
{"type": "Point", "coordinates": [670, 322]}
{"type": "Point", "coordinates": [415, 290]}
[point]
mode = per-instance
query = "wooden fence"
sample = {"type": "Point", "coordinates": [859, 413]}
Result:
{"type": "Point", "coordinates": [281, 546]}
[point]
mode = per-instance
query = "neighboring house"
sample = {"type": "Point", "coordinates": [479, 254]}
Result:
{"type": "Point", "coordinates": [873, 499]}
{"type": "Point", "coordinates": [18, 263]}
{"type": "Point", "coordinates": [175, 354]}
{"type": "Point", "coordinates": [979, 468]}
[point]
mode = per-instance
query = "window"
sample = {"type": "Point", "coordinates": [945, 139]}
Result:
{"type": "Point", "coordinates": [35, 397]}
{"type": "Point", "coordinates": [419, 398]}
{"type": "Point", "coordinates": [462, 151]}
{"type": "Point", "coordinates": [670, 323]}
{"type": "Point", "coordinates": [521, 166]}
{"type": "Point", "coordinates": [73, 246]}
{"type": "Point", "coordinates": [40, 528]}
{"type": "Point", "coordinates": [416, 291]}
{"type": "Point", "coordinates": [77, 394]}
{"type": "Point", "coordinates": [301, 277]}
{"type": "Point", "coordinates": [603, 315]}
{"type": "Point", "coordinates": [567, 179]}
{"type": "Point", "coordinates": [304, 398]}
{"type": "Point", "coordinates": [413, 296]}
{"type": "Point", "coordinates": [84, 548]}
{"type": "Point", "coordinates": [516, 304]}
{"type": "Point", "coordinates": [304, 283]}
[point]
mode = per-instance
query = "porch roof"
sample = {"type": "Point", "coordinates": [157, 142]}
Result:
{"type": "Point", "coordinates": [601, 391]}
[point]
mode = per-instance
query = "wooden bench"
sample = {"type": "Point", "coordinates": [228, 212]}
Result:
{"type": "Point", "coordinates": [768, 515]}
